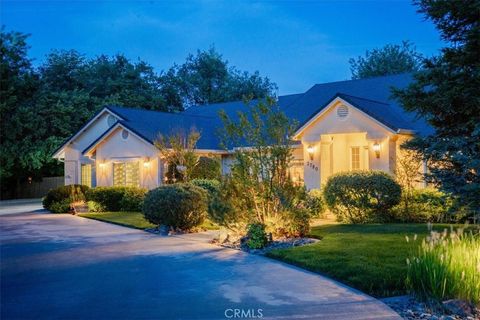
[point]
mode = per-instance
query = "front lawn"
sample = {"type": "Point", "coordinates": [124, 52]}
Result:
{"type": "Point", "coordinates": [371, 258]}
{"type": "Point", "coordinates": [133, 220]}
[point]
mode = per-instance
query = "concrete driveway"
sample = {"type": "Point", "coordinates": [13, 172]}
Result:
{"type": "Point", "coordinates": [20, 206]}
{"type": "Point", "coordinates": [66, 267]}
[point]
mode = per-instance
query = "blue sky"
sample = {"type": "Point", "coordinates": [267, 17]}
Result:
{"type": "Point", "coordinates": [295, 43]}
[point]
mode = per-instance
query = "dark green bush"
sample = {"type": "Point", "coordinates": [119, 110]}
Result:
{"type": "Point", "coordinates": [362, 196]}
{"type": "Point", "coordinates": [425, 205]}
{"type": "Point", "coordinates": [207, 168]}
{"type": "Point", "coordinates": [314, 203]}
{"type": "Point", "coordinates": [181, 206]}
{"type": "Point", "coordinates": [212, 186]}
{"type": "Point", "coordinates": [257, 237]}
{"type": "Point", "coordinates": [118, 198]}
{"type": "Point", "coordinates": [58, 200]}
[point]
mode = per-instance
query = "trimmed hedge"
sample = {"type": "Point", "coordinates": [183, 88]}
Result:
{"type": "Point", "coordinates": [181, 206]}
{"type": "Point", "coordinates": [314, 203]}
{"type": "Point", "coordinates": [362, 196]}
{"type": "Point", "coordinates": [59, 200]}
{"type": "Point", "coordinates": [212, 186]}
{"type": "Point", "coordinates": [117, 198]}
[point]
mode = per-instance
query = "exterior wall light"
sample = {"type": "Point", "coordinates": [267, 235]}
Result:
{"type": "Point", "coordinates": [102, 165]}
{"type": "Point", "coordinates": [376, 148]}
{"type": "Point", "coordinates": [146, 163]}
{"type": "Point", "coordinates": [311, 151]}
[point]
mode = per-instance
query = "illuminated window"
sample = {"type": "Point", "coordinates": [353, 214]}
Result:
{"type": "Point", "coordinates": [86, 175]}
{"type": "Point", "coordinates": [126, 174]}
{"type": "Point", "coordinates": [296, 171]}
{"type": "Point", "coordinates": [355, 158]}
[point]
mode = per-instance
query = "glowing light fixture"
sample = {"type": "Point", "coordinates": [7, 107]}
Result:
{"type": "Point", "coordinates": [376, 148]}
{"type": "Point", "coordinates": [311, 151]}
{"type": "Point", "coordinates": [146, 163]}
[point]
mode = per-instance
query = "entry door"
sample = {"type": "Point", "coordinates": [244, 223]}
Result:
{"type": "Point", "coordinates": [326, 162]}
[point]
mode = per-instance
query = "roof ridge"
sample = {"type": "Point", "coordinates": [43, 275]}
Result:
{"type": "Point", "coordinates": [366, 99]}
{"type": "Point", "coordinates": [183, 114]}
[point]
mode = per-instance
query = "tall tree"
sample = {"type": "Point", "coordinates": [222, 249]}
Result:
{"type": "Point", "coordinates": [446, 92]}
{"type": "Point", "coordinates": [207, 78]}
{"type": "Point", "coordinates": [390, 59]}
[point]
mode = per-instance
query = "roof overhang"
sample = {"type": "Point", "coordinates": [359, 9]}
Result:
{"type": "Point", "coordinates": [326, 108]}
{"type": "Point", "coordinates": [59, 153]}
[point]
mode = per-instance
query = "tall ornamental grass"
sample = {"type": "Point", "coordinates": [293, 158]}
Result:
{"type": "Point", "coordinates": [446, 266]}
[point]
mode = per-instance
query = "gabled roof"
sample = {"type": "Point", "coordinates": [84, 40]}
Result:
{"type": "Point", "coordinates": [372, 96]}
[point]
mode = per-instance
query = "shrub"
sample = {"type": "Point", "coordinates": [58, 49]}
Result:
{"type": "Point", "coordinates": [118, 198]}
{"type": "Point", "coordinates": [58, 200]}
{"type": "Point", "coordinates": [257, 237]}
{"type": "Point", "coordinates": [314, 203]}
{"type": "Point", "coordinates": [362, 196]}
{"type": "Point", "coordinates": [425, 205]}
{"type": "Point", "coordinates": [446, 266]}
{"type": "Point", "coordinates": [95, 207]}
{"type": "Point", "coordinates": [133, 199]}
{"type": "Point", "coordinates": [181, 206]}
{"type": "Point", "coordinates": [207, 168]}
{"type": "Point", "coordinates": [212, 186]}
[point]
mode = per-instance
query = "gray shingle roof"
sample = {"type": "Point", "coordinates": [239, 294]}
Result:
{"type": "Point", "coordinates": [372, 96]}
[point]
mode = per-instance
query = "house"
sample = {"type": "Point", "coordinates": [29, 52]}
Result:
{"type": "Point", "coordinates": [346, 125]}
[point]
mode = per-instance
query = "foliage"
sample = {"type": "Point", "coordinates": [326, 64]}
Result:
{"type": "Point", "coordinates": [59, 200]}
{"type": "Point", "coordinates": [426, 205]}
{"type": "Point", "coordinates": [95, 207]}
{"type": "Point", "coordinates": [257, 237]}
{"type": "Point", "coordinates": [446, 94]}
{"type": "Point", "coordinates": [67, 89]}
{"type": "Point", "coordinates": [212, 186]}
{"type": "Point", "coordinates": [368, 257]}
{"type": "Point", "coordinates": [117, 198]}
{"type": "Point", "coordinates": [207, 168]}
{"type": "Point", "coordinates": [178, 150]}
{"type": "Point", "coordinates": [206, 78]}
{"type": "Point", "coordinates": [446, 266]}
{"type": "Point", "coordinates": [259, 187]}
{"type": "Point", "coordinates": [180, 206]}
{"type": "Point", "coordinates": [314, 203]}
{"type": "Point", "coordinates": [362, 196]}
{"type": "Point", "coordinates": [390, 59]}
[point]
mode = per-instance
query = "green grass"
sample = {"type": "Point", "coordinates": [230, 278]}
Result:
{"type": "Point", "coordinates": [133, 220]}
{"type": "Point", "coordinates": [371, 258]}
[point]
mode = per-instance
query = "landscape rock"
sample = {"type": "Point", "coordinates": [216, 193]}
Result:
{"type": "Point", "coordinates": [459, 307]}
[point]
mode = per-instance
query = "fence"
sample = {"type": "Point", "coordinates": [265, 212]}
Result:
{"type": "Point", "coordinates": [38, 189]}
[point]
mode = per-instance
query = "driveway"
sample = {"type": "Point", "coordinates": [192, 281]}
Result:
{"type": "Point", "coordinates": [66, 267]}
{"type": "Point", "coordinates": [20, 206]}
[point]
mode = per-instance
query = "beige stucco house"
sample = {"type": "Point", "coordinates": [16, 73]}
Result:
{"type": "Point", "coordinates": [347, 125]}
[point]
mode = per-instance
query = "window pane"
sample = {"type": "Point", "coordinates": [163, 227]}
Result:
{"type": "Point", "coordinates": [355, 158]}
{"type": "Point", "coordinates": [119, 174]}
{"type": "Point", "coordinates": [132, 174]}
{"type": "Point", "coordinates": [86, 175]}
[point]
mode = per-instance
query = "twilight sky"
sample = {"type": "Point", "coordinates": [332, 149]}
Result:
{"type": "Point", "coordinates": [295, 43]}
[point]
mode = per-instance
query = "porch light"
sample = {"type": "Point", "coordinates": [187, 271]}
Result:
{"type": "Point", "coordinates": [102, 165]}
{"type": "Point", "coordinates": [376, 148]}
{"type": "Point", "coordinates": [146, 163]}
{"type": "Point", "coordinates": [311, 151]}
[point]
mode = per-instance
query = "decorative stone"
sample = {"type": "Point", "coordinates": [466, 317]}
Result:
{"type": "Point", "coordinates": [459, 307]}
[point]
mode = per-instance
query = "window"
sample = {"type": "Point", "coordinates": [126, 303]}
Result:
{"type": "Point", "coordinates": [86, 175]}
{"type": "Point", "coordinates": [126, 174]}
{"type": "Point", "coordinates": [355, 158]}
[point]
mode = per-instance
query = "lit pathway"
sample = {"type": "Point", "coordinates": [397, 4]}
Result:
{"type": "Point", "coordinates": [66, 267]}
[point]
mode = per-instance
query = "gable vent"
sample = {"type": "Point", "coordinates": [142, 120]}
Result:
{"type": "Point", "coordinates": [111, 120]}
{"type": "Point", "coordinates": [125, 134]}
{"type": "Point", "coordinates": [342, 112]}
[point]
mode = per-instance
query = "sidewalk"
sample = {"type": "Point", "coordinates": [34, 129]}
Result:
{"type": "Point", "coordinates": [20, 205]}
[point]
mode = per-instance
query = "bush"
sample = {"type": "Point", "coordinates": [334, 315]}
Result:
{"type": "Point", "coordinates": [314, 203]}
{"type": "Point", "coordinates": [362, 196]}
{"type": "Point", "coordinates": [118, 198]}
{"type": "Point", "coordinates": [257, 237]}
{"type": "Point", "coordinates": [58, 200]}
{"type": "Point", "coordinates": [95, 207]}
{"type": "Point", "coordinates": [207, 168]}
{"type": "Point", "coordinates": [212, 186]}
{"type": "Point", "coordinates": [425, 205]}
{"type": "Point", "coordinates": [446, 267]}
{"type": "Point", "coordinates": [181, 206]}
